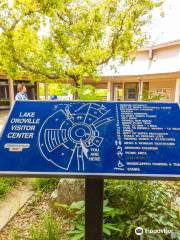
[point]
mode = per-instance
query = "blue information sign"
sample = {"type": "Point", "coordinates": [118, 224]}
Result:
{"type": "Point", "coordinates": [115, 139]}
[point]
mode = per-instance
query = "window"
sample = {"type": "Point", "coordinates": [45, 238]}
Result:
{"type": "Point", "coordinates": [132, 93]}
{"type": "Point", "coordinates": [165, 93]}
{"type": "Point", "coordinates": [4, 94]}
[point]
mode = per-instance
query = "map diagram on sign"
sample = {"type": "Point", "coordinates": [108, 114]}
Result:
{"type": "Point", "coordinates": [76, 130]}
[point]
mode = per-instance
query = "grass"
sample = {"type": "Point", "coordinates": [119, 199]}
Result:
{"type": "Point", "coordinates": [48, 228]}
{"type": "Point", "coordinates": [39, 184]}
{"type": "Point", "coordinates": [7, 184]}
{"type": "Point", "coordinates": [45, 184]}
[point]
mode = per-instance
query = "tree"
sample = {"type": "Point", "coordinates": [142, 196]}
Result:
{"type": "Point", "coordinates": [81, 36]}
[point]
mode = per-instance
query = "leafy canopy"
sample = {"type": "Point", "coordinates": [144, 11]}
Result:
{"type": "Point", "coordinates": [69, 39]}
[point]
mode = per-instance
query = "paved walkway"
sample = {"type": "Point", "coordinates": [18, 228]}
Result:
{"type": "Point", "coordinates": [13, 202]}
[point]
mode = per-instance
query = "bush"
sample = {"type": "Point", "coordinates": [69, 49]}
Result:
{"type": "Point", "coordinates": [131, 204]}
{"type": "Point", "coordinates": [6, 184]}
{"type": "Point", "coordinates": [45, 184]}
{"type": "Point", "coordinates": [146, 204]}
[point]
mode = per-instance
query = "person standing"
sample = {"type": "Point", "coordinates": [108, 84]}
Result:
{"type": "Point", "coordinates": [22, 93]}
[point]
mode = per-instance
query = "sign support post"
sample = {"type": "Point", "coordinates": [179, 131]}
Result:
{"type": "Point", "coordinates": [94, 194]}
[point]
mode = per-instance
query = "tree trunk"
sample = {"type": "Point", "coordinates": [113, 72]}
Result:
{"type": "Point", "coordinates": [76, 84]}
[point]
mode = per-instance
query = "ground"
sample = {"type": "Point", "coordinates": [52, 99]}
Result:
{"type": "Point", "coordinates": [28, 215]}
{"type": "Point", "coordinates": [13, 201]}
{"type": "Point", "coordinates": [31, 216]}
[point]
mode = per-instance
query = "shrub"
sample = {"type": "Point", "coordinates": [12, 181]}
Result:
{"type": "Point", "coordinates": [131, 204]}
{"type": "Point", "coordinates": [45, 184]}
{"type": "Point", "coordinates": [146, 204]}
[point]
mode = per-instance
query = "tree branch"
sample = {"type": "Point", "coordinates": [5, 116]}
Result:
{"type": "Point", "coordinates": [20, 18]}
{"type": "Point", "coordinates": [1, 26]}
{"type": "Point", "coordinates": [27, 67]}
{"type": "Point", "coordinates": [62, 19]}
{"type": "Point", "coordinates": [114, 40]}
{"type": "Point", "coordinates": [31, 69]}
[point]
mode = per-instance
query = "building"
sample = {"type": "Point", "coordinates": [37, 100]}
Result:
{"type": "Point", "coordinates": [156, 71]}
{"type": "Point", "coordinates": [8, 90]}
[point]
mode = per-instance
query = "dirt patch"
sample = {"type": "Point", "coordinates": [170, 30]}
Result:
{"type": "Point", "coordinates": [32, 215]}
{"type": "Point", "coordinates": [27, 216]}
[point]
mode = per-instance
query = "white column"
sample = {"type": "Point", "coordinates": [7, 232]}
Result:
{"type": "Point", "coordinates": [123, 90]}
{"type": "Point", "coordinates": [6, 92]}
{"type": "Point", "coordinates": [37, 90]}
{"type": "Point", "coordinates": [11, 92]}
{"type": "Point", "coordinates": [110, 90]}
{"type": "Point", "coordinates": [140, 94]}
{"type": "Point", "coordinates": [177, 91]}
{"type": "Point", "coordinates": [116, 93]}
{"type": "Point", "coordinates": [46, 91]}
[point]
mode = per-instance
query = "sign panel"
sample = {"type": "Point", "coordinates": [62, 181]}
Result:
{"type": "Point", "coordinates": [115, 139]}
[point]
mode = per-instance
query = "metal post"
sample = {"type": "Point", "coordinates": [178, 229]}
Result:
{"type": "Point", "coordinates": [94, 194]}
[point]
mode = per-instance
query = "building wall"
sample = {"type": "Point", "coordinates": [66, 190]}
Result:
{"type": "Point", "coordinates": [170, 86]}
{"type": "Point", "coordinates": [165, 60]}
{"type": "Point", "coordinates": [148, 61]}
{"type": "Point", "coordinates": [159, 89]}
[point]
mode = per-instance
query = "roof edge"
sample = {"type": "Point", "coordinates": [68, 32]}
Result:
{"type": "Point", "coordinates": [159, 46]}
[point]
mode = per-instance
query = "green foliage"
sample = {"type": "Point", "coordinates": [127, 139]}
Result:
{"type": "Point", "coordinates": [130, 204]}
{"type": "Point", "coordinates": [150, 96]}
{"type": "Point", "coordinates": [86, 92]}
{"type": "Point", "coordinates": [147, 204]}
{"type": "Point", "coordinates": [45, 184]}
{"type": "Point", "coordinates": [79, 209]}
{"type": "Point", "coordinates": [77, 38]}
{"type": "Point", "coordinates": [6, 184]}
{"type": "Point", "coordinates": [54, 88]}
